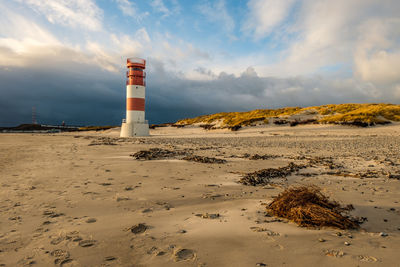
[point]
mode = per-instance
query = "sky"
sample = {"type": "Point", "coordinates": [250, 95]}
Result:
{"type": "Point", "coordinates": [67, 58]}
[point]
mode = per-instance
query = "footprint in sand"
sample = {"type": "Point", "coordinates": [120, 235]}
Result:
{"type": "Point", "coordinates": [119, 198]}
{"type": "Point", "coordinates": [52, 214]}
{"type": "Point", "coordinates": [184, 254]}
{"type": "Point", "coordinates": [110, 258]}
{"type": "Point", "coordinates": [208, 215]}
{"type": "Point", "coordinates": [61, 256]}
{"type": "Point", "coordinates": [73, 236]}
{"type": "Point", "coordinates": [147, 210]}
{"type": "Point", "coordinates": [367, 258]}
{"type": "Point", "coordinates": [57, 240]}
{"type": "Point", "coordinates": [91, 220]}
{"type": "Point", "coordinates": [139, 228]}
{"type": "Point", "coordinates": [334, 253]}
{"type": "Point", "coordinates": [261, 229]}
{"type": "Point", "coordinates": [27, 261]}
{"type": "Point", "coordinates": [87, 243]}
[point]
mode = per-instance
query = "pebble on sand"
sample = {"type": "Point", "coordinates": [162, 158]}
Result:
{"type": "Point", "coordinates": [139, 228]}
{"type": "Point", "coordinates": [184, 254]}
{"type": "Point", "coordinates": [91, 220]}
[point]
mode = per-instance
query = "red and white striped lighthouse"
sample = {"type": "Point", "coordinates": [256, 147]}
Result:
{"type": "Point", "coordinates": [135, 123]}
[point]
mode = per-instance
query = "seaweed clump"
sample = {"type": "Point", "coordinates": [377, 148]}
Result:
{"type": "Point", "coordinates": [157, 153]}
{"type": "Point", "coordinates": [263, 177]}
{"type": "Point", "coordinates": [261, 157]}
{"type": "Point", "coordinates": [202, 159]}
{"type": "Point", "coordinates": [308, 207]}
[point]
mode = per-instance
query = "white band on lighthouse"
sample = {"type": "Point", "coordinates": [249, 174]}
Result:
{"type": "Point", "coordinates": [135, 91]}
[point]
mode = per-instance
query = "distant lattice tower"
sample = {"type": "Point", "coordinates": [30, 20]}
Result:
{"type": "Point", "coordinates": [34, 121]}
{"type": "Point", "coordinates": [135, 123]}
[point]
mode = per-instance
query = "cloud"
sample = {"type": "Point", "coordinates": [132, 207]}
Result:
{"type": "Point", "coordinates": [128, 8]}
{"type": "Point", "coordinates": [247, 91]}
{"type": "Point", "coordinates": [71, 13]}
{"type": "Point", "coordinates": [28, 43]}
{"type": "Point", "coordinates": [85, 93]}
{"type": "Point", "coordinates": [377, 55]}
{"type": "Point", "coordinates": [218, 13]}
{"type": "Point", "coordinates": [19, 35]}
{"type": "Point", "coordinates": [60, 92]}
{"type": "Point", "coordinates": [265, 15]}
{"type": "Point", "coordinates": [348, 38]}
{"type": "Point", "coordinates": [80, 78]}
{"type": "Point", "coordinates": [159, 6]}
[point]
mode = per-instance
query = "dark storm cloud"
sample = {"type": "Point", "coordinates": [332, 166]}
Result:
{"type": "Point", "coordinates": [83, 94]}
{"type": "Point", "coordinates": [76, 97]}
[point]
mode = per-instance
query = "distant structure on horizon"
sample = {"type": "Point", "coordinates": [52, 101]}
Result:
{"type": "Point", "coordinates": [135, 123]}
{"type": "Point", "coordinates": [34, 120]}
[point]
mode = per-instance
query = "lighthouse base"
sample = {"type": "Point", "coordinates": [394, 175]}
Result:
{"type": "Point", "coordinates": [134, 129]}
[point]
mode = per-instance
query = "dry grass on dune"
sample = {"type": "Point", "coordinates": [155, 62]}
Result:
{"type": "Point", "coordinates": [307, 206]}
{"type": "Point", "coordinates": [367, 113]}
{"type": "Point", "coordinates": [357, 114]}
{"type": "Point", "coordinates": [232, 119]}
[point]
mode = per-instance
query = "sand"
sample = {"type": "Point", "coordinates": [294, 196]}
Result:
{"type": "Point", "coordinates": [79, 199]}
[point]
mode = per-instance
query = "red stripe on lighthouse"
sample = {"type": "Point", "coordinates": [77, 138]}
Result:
{"type": "Point", "coordinates": [135, 103]}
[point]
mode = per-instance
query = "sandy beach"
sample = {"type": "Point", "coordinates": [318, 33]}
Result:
{"type": "Point", "coordinates": [80, 199]}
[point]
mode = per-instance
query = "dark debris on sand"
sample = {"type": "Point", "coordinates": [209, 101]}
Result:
{"type": "Point", "coordinates": [186, 154]}
{"type": "Point", "coordinates": [157, 153]}
{"type": "Point", "coordinates": [103, 141]}
{"type": "Point", "coordinates": [366, 174]}
{"type": "Point", "coordinates": [308, 207]}
{"type": "Point", "coordinates": [263, 177]}
{"type": "Point", "coordinates": [202, 159]}
{"type": "Point", "coordinates": [261, 157]}
{"type": "Point", "coordinates": [139, 228]}
{"type": "Point", "coordinates": [393, 176]}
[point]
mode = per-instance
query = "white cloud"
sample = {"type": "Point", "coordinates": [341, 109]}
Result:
{"type": "Point", "coordinates": [217, 12]}
{"type": "Point", "coordinates": [377, 55]}
{"type": "Point", "coordinates": [343, 36]}
{"type": "Point", "coordinates": [265, 15]}
{"type": "Point", "coordinates": [21, 36]}
{"type": "Point", "coordinates": [142, 35]}
{"type": "Point", "coordinates": [159, 6]}
{"type": "Point", "coordinates": [128, 8]}
{"type": "Point", "coordinates": [326, 33]}
{"type": "Point", "coordinates": [71, 13]}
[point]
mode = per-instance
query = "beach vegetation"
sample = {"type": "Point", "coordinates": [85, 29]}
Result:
{"type": "Point", "coordinates": [357, 114]}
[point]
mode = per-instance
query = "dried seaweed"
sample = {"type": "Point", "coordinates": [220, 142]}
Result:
{"type": "Point", "coordinates": [263, 177]}
{"type": "Point", "coordinates": [186, 154]}
{"type": "Point", "coordinates": [202, 159]}
{"type": "Point", "coordinates": [308, 207]}
{"type": "Point", "coordinates": [157, 153]}
{"type": "Point", "coordinates": [262, 157]}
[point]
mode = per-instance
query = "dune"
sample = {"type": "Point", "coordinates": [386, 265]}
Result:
{"type": "Point", "coordinates": [345, 114]}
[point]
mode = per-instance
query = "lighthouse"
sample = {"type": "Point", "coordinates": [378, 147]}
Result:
{"type": "Point", "coordinates": [135, 123]}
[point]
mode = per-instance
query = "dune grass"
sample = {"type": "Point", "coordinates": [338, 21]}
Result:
{"type": "Point", "coordinates": [231, 119]}
{"type": "Point", "coordinates": [368, 114]}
